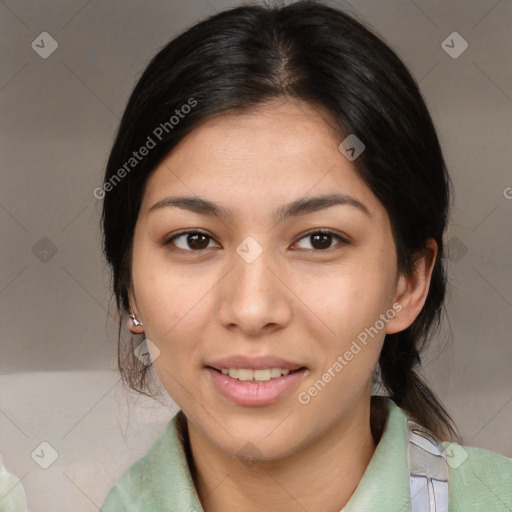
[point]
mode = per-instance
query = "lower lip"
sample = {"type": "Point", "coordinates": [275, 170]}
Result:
{"type": "Point", "coordinates": [251, 394]}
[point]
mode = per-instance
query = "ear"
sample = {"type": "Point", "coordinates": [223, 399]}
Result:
{"type": "Point", "coordinates": [412, 290]}
{"type": "Point", "coordinates": [134, 329]}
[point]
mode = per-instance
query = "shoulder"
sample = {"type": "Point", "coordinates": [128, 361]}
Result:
{"type": "Point", "coordinates": [128, 493]}
{"type": "Point", "coordinates": [133, 489]}
{"type": "Point", "coordinates": [479, 479]}
{"type": "Point", "coordinates": [161, 480]}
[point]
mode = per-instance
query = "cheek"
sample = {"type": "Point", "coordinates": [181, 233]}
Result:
{"type": "Point", "coordinates": [168, 296]}
{"type": "Point", "coordinates": [178, 324]}
{"type": "Point", "coordinates": [348, 298]}
{"type": "Point", "coordinates": [351, 307]}
{"type": "Point", "coordinates": [172, 306]}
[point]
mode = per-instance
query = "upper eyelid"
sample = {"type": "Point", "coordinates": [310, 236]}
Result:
{"type": "Point", "coordinates": [344, 238]}
{"type": "Point", "coordinates": [187, 232]}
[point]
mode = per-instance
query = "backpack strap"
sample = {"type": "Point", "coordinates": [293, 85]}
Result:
{"type": "Point", "coordinates": [428, 470]}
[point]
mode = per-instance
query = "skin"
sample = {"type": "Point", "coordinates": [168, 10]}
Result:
{"type": "Point", "coordinates": [296, 300]}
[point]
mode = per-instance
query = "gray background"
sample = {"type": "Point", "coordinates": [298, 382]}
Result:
{"type": "Point", "coordinates": [59, 116]}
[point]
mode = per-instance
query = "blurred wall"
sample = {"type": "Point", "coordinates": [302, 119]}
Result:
{"type": "Point", "coordinates": [59, 113]}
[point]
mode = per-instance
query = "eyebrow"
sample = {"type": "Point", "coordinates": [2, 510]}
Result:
{"type": "Point", "coordinates": [298, 207]}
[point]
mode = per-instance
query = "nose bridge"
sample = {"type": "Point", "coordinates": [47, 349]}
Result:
{"type": "Point", "coordinates": [251, 266]}
{"type": "Point", "coordinates": [253, 297]}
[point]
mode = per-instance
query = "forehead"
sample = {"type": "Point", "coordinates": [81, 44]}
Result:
{"type": "Point", "coordinates": [266, 156]}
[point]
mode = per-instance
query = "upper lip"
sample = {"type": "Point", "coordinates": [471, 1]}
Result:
{"type": "Point", "coordinates": [254, 363]}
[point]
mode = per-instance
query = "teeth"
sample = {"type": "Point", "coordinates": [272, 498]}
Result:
{"type": "Point", "coordinates": [246, 374]}
{"type": "Point", "coordinates": [276, 372]}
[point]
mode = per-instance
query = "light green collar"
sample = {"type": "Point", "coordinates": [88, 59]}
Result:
{"type": "Point", "coordinates": [479, 479]}
{"type": "Point", "coordinates": [385, 483]}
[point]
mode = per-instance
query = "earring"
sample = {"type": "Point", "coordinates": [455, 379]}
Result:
{"type": "Point", "coordinates": [134, 320]}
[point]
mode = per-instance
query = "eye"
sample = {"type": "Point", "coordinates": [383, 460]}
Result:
{"type": "Point", "coordinates": [322, 239]}
{"type": "Point", "coordinates": [191, 241]}
{"type": "Point", "coordinates": [194, 241]}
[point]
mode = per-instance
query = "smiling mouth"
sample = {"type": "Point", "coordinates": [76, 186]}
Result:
{"type": "Point", "coordinates": [256, 376]}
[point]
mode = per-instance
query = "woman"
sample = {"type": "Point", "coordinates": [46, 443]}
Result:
{"type": "Point", "coordinates": [274, 210]}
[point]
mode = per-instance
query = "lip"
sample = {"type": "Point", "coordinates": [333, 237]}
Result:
{"type": "Point", "coordinates": [254, 363]}
{"type": "Point", "coordinates": [254, 394]}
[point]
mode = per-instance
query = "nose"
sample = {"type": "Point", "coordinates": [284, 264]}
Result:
{"type": "Point", "coordinates": [253, 296]}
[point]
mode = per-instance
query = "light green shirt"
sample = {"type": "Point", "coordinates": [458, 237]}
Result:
{"type": "Point", "coordinates": [479, 480]}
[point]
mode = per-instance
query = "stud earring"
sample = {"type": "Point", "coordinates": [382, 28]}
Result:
{"type": "Point", "coordinates": [134, 320]}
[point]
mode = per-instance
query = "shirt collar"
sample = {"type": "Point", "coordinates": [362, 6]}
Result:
{"type": "Point", "coordinates": [170, 485]}
{"type": "Point", "coordinates": [385, 483]}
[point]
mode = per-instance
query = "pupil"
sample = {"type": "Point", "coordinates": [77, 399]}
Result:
{"type": "Point", "coordinates": [193, 241]}
{"type": "Point", "coordinates": [320, 241]}
{"type": "Point", "coordinates": [319, 236]}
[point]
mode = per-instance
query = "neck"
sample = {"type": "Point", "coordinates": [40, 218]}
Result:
{"type": "Point", "coordinates": [319, 478]}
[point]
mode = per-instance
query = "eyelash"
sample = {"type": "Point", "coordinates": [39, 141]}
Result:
{"type": "Point", "coordinates": [342, 239]}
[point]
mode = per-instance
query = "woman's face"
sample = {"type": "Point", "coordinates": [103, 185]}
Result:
{"type": "Point", "coordinates": [258, 281]}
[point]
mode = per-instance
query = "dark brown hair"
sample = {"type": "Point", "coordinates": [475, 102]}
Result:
{"type": "Point", "coordinates": [241, 58]}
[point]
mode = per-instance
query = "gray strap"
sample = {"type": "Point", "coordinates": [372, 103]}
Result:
{"type": "Point", "coordinates": [428, 470]}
